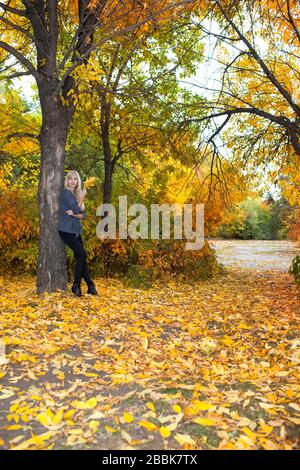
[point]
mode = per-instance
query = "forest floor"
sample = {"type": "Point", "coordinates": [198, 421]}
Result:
{"type": "Point", "coordinates": [210, 365]}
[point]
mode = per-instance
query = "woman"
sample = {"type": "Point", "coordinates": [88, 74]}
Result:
{"type": "Point", "coordinates": [71, 211]}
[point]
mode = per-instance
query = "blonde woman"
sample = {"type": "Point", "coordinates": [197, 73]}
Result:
{"type": "Point", "coordinates": [71, 211]}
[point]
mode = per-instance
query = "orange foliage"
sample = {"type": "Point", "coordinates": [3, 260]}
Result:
{"type": "Point", "coordinates": [14, 224]}
{"type": "Point", "coordinates": [294, 233]}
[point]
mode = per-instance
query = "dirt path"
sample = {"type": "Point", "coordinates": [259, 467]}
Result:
{"type": "Point", "coordinates": [256, 254]}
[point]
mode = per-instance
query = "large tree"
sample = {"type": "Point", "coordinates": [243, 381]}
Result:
{"type": "Point", "coordinates": [49, 39]}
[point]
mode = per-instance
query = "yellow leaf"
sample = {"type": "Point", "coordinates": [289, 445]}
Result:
{"type": "Point", "coordinates": [204, 421]}
{"type": "Point", "coordinates": [35, 397]}
{"type": "Point", "coordinates": [201, 405]}
{"type": "Point", "coordinates": [14, 407]}
{"type": "Point", "coordinates": [110, 429]}
{"type": "Point", "coordinates": [41, 438]}
{"type": "Point", "coordinates": [267, 444]}
{"type": "Point", "coordinates": [31, 375]}
{"type": "Point", "coordinates": [126, 437]}
{"type": "Point", "coordinates": [61, 375]}
{"type": "Point", "coordinates": [185, 441]}
{"type": "Point", "coordinates": [295, 406]}
{"type": "Point", "coordinates": [243, 326]}
{"type": "Point", "coordinates": [164, 431]}
{"type": "Point", "coordinates": [93, 425]}
{"type": "Point", "coordinates": [58, 417]}
{"type": "Point", "coordinates": [69, 414]}
{"type": "Point", "coordinates": [190, 411]}
{"type": "Point", "coordinates": [177, 409]}
{"type": "Point", "coordinates": [282, 374]}
{"type": "Point", "coordinates": [250, 434]}
{"type": "Point", "coordinates": [14, 427]}
{"type": "Point", "coordinates": [244, 443]}
{"type": "Point", "coordinates": [48, 419]}
{"type": "Point", "coordinates": [97, 415]}
{"type": "Point", "coordinates": [145, 342]}
{"type": "Point", "coordinates": [150, 406]}
{"type": "Point", "coordinates": [148, 425]}
{"type": "Point", "coordinates": [25, 418]}
{"type": "Point", "coordinates": [265, 429]}
{"type": "Point", "coordinates": [127, 417]}
{"type": "Point", "coordinates": [45, 419]}
{"type": "Point", "coordinates": [227, 341]}
{"type": "Point", "coordinates": [6, 394]}
{"type": "Point", "coordinates": [90, 182]}
{"type": "Point", "coordinates": [85, 405]}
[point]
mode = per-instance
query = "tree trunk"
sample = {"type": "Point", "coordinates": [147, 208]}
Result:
{"type": "Point", "coordinates": [108, 165]}
{"type": "Point", "coordinates": [107, 187]}
{"type": "Point", "coordinates": [51, 264]}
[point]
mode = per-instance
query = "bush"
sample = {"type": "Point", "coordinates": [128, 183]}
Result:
{"type": "Point", "coordinates": [139, 262]}
{"type": "Point", "coordinates": [171, 259]}
{"type": "Point", "coordinates": [295, 268]}
{"type": "Point", "coordinates": [18, 231]}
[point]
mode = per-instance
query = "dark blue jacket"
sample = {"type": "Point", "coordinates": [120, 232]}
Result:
{"type": "Point", "coordinates": [69, 223]}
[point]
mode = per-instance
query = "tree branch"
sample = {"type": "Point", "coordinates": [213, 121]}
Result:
{"type": "Point", "coordinates": [258, 59]}
{"type": "Point", "coordinates": [15, 11]}
{"type": "Point", "coordinates": [53, 34]}
{"type": "Point", "coordinates": [297, 32]}
{"type": "Point", "coordinates": [17, 75]}
{"type": "Point", "coordinates": [35, 13]}
{"type": "Point", "coordinates": [17, 28]}
{"type": "Point", "coordinates": [20, 58]}
{"type": "Point", "coordinates": [287, 124]}
{"type": "Point", "coordinates": [21, 135]}
{"type": "Point", "coordinates": [82, 59]}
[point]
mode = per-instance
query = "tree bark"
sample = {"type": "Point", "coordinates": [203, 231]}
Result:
{"type": "Point", "coordinates": [107, 187]}
{"type": "Point", "coordinates": [51, 263]}
{"type": "Point", "coordinates": [108, 164]}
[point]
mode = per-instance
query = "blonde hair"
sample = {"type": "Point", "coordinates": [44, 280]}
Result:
{"type": "Point", "coordinates": [77, 191]}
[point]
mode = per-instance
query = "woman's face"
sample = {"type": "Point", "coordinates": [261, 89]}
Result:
{"type": "Point", "coordinates": [72, 181]}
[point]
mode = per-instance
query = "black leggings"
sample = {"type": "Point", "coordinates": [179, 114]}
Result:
{"type": "Point", "coordinates": [76, 245]}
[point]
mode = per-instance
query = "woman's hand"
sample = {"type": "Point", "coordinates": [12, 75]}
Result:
{"type": "Point", "coordinates": [82, 196]}
{"type": "Point", "coordinates": [69, 212]}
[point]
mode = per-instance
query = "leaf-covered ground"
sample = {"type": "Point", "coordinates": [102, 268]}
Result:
{"type": "Point", "coordinates": [214, 365]}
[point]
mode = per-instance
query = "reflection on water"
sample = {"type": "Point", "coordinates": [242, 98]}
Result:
{"type": "Point", "coordinates": [256, 254]}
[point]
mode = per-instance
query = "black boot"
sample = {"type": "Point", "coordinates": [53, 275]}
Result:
{"type": "Point", "coordinates": [76, 289]}
{"type": "Point", "coordinates": [92, 289]}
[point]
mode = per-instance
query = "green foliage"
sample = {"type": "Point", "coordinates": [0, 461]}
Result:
{"type": "Point", "coordinates": [295, 269]}
{"type": "Point", "coordinates": [255, 220]}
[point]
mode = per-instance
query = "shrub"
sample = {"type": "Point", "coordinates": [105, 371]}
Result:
{"type": "Point", "coordinates": [139, 262]}
{"type": "Point", "coordinates": [171, 259]}
{"type": "Point", "coordinates": [295, 268]}
{"type": "Point", "coordinates": [18, 231]}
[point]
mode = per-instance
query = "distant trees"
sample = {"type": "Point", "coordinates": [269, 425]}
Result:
{"type": "Point", "coordinates": [253, 219]}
